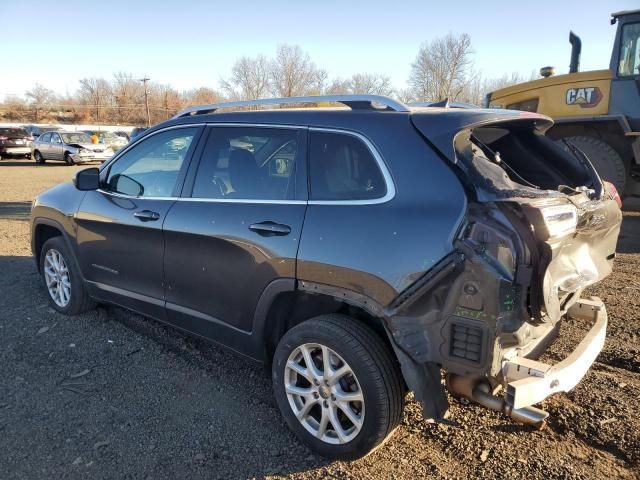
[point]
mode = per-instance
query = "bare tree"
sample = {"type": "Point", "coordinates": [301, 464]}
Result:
{"type": "Point", "coordinates": [338, 86]}
{"type": "Point", "coordinates": [96, 91]}
{"type": "Point", "coordinates": [476, 90]}
{"type": "Point", "coordinates": [293, 73]}
{"type": "Point", "coordinates": [14, 109]}
{"type": "Point", "coordinates": [249, 79]}
{"type": "Point", "coordinates": [40, 97]}
{"type": "Point", "coordinates": [364, 83]}
{"type": "Point", "coordinates": [127, 95]}
{"type": "Point", "coordinates": [405, 95]}
{"type": "Point", "coordinates": [202, 96]}
{"type": "Point", "coordinates": [370, 84]}
{"type": "Point", "coordinates": [442, 68]}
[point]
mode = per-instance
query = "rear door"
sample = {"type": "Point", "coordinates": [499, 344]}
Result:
{"type": "Point", "coordinates": [120, 243]}
{"type": "Point", "coordinates": [235, 230]}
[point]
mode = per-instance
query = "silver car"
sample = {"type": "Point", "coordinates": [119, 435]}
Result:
{"type": "Point", "coordinates": [71, 147]}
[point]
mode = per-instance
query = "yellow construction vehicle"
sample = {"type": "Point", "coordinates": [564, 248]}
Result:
{"type": "Point", "coordinates": [597, 111]}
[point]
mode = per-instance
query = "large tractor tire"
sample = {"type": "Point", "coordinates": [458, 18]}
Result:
{"type": "Point", "coordinates": [605, 159]}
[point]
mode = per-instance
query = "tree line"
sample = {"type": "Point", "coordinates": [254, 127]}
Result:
{"type": "Point", "coordinates": [442, 69]}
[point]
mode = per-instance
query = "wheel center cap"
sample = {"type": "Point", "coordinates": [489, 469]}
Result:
{"type": "Point", "coordinates": [324, 392]}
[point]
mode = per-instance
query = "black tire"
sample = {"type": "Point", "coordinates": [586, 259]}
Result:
{"type": "Point", "coordinates": [373, 365]}
{"type": "Point", "coordinates": [79, 300]}
{"type": "Point", "coordinates": [67, 159]}
{"type": "Point", "coordinates": [604, 158]}
{"type": "Point", "coordinates": [37, 156]}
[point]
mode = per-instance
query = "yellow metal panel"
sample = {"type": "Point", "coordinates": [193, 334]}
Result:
{"type": "Point", "coordinates": [571, 95]}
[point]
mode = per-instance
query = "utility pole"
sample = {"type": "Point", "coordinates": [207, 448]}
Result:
{"type": "Point", "coordinates": [146, 99]}
{"type": "Point", "coordinates": [166, 103]}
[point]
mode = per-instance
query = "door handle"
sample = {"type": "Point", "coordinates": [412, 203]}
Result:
{"type": "Point", "coordinates": [270, 229]}
{"type": "Point", "coordinates": [147, 216]}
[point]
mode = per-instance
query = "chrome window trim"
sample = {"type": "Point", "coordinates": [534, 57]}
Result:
{"type": "Point", "coordinates": [242, 200]}
{"type": "Point", "coordinates": [391, 190]}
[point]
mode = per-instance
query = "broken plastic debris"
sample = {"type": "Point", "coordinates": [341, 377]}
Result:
{"type": "Point", "coordinates": [80, 374]}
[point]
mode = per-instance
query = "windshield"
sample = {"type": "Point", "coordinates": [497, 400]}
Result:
{"type": "Point", "coordinates": [629, 50]}
{"type": "Point", "coordinates": [76, 138]}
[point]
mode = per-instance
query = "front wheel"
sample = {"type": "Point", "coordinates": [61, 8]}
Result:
{"type": "Point", "coordinates": [67, 159]}
{"type": "Point", "coordinates": [38, 157]}
{"type": "Point", "coordinates": [338, 386]}
{"type": "Point", "coordinates": [62, 280]}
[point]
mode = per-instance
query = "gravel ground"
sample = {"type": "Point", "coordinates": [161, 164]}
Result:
{"type": "Point", "coordinates": [111, 394]}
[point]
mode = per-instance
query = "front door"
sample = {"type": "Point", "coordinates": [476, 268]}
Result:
{"type": "Point", "coordinates": [55, 147]}
{"type": "Point", "coordinates": [120, 244]}
{"type": "Point", "coordinates": [236, 230]}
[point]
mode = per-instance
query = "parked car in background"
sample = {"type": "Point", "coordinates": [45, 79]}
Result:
{"type": "Point", "coordinates": [110, 139]}
{"type": "Point", "coordinates": [123, 134]}
{"type": "Point", "coordinates": [15, 142]}
{"type": "Point", "coordinates": [360, 253]}
{"type": "Point", "coordinates": [35, 131]}
{"type": "Point", "coordinates": [136, 131]}
{"type": "Point", "coordinates": [71, 147]}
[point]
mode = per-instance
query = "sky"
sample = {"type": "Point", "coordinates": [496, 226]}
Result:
{"type": "Point", "coordinates": [191, 43]}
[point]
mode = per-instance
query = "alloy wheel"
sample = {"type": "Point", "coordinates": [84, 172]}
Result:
{"type": "Point", "coordinates": [56, 275]}
{"type": "Point", "coordinates": [324, 393]}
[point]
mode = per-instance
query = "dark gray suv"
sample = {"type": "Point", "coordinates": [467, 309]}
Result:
{"type": "Point", "coordinates": [362, 252]}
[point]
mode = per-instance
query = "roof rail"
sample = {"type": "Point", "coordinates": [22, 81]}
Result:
{"type": "Point", "coordinates": [443, 103]}
{"type": "Point", "coordinates": [355, 102]}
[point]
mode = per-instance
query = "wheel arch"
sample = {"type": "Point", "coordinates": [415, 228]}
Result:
{"type": "Point", "coordinates": [43, 229]}
{"type": "Point", "coordinates": [286, 303]}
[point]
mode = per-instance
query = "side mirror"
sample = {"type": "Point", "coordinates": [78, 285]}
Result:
{"type": "Point", "coordinates": [87, 179]}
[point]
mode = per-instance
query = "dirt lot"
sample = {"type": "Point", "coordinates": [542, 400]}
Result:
{"type": "Point", "coordinates": [113, 395]}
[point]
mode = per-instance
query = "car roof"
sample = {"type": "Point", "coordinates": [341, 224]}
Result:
{"type": "Point", "coordinates": [441, 118]}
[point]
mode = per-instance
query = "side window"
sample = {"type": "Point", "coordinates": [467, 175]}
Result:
{"type": "Point", "coordinates": [45, 137]}
{"type": "Point", "coordinates": [341, 167]}
{"type": "Point", "coordinates": [151, 168]}
{"type": "Point", "coordinates": [55, 138]}
{"type": "Point", "coordinates": [629, 64]}
{"type": "Point", "coordinates": [248, 163]}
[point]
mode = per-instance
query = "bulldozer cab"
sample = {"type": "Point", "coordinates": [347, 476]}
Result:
{"type": "Point", "coordinates": [625, 67]}
{"type": "Point", "coordinates": [598, 111]}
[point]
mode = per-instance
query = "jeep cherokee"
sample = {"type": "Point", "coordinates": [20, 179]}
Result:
{"type": "Point", "coordinates": [361, 252]}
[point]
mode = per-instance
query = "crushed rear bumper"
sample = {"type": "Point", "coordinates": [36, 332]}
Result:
{"type": "Point", "coordinates": [529, 382]}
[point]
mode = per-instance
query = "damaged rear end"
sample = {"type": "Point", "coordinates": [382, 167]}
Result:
{"type": "Point", "coordinates": [540, 227]}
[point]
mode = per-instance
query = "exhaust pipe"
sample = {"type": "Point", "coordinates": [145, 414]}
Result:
{"type": "Point", "coordinates": [478, 390]}
{"type": "Point", "coordinates": [576, 48]}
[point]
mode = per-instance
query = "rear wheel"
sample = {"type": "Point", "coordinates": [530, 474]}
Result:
{"type": "Point", "coordinates": [605, 159]}
{"type": "Point", "coordinates": [338, 386]}
{"type": "Point", "coordinates": [38, 157]}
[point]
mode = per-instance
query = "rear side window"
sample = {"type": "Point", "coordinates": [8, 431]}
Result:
{"type": "Point", "coordinates": [343, 168]}
{"type": "Point", "coordinates": [45, 138]}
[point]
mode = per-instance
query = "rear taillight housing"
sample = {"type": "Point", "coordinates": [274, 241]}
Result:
{"type": "Point", "coordinates": [560, 220]}
{"type": "Point", "coordinates": [612, 192]}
